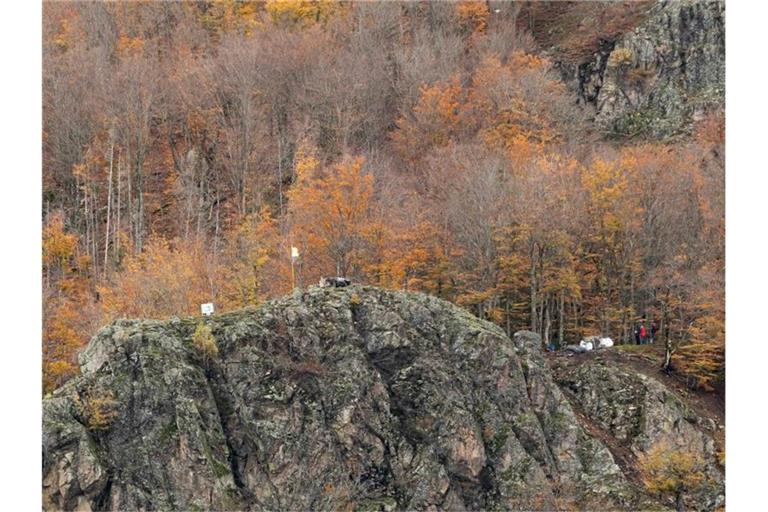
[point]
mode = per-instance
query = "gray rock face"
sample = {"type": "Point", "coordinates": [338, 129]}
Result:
{"type": "Point", "coordinates": [657, 79]}
{"type": "Point", "coordinates": [353, 398]}
{"type": "Point", "coordinates": [639, 412]}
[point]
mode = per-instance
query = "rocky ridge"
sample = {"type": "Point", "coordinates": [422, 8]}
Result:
{"type": "Point", "coordinates": [638, 412]}
{"type": "Point", "coordinates": [659, 78]}
{"type": "Point", "coordinates": [355, 398]}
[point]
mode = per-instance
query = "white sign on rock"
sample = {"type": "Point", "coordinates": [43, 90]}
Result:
{"type": "Point", "coordinates": [207, 308]}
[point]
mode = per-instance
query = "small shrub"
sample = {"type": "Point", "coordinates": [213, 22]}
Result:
{"type": "Point", "coordinates": [205, 343]}
{"type": "Point", "coordinates": [671, 473]}
{"type": "Point", "coordinates": [98, 412]}
{"type": "Point", "coordinates": [620, 57]}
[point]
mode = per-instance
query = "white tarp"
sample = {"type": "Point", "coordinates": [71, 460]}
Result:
{"type": "Point", "coordinates": [605, 342]}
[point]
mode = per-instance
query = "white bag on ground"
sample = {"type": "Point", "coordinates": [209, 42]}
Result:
{"type": "Point", "coordinates": [587, 345]}
{"type": "Point", "coordinates": [605, 342]}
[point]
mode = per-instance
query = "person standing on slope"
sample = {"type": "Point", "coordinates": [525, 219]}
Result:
{"type": "Point", "coordinates": [642, 334]}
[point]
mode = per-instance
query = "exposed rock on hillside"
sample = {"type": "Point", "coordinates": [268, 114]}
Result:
{"type": "Point", "coordinates": [638, 413]}
{"type": "Point", "coordinates": [325, 399]}
{"type": "Point", "coordinates": [354, 397]}
{"type": "Point", "coordinates": [656, 79]}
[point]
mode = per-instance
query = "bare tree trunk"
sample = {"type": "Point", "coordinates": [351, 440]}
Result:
{"type": "Point", "coordinates": [109, 205]}
{"type": "Point", "coordinates": [542, 300]}
{"type": "Point", "coordinates": [87, 219]}
{"type": "Point", "coordinates": [547, 322]}
{"type": "Point", "coordinates": [140, 205]}
{"type": "Point", "coordinates": [668, 351]}
{"type": "Point", "coordinates": [280, 172]}
{"type": "Point", "coordinates": [664, 330]}
{"type": "Point", "coordinates": [95, 233]}
{"type": "Point", "coordinates": [200, 209]}
{"type": "Point", "coordinates": [130, 200]}
{"type": "Point", "coordinates": [534, 324]}
{"type": "Point", "coordinates": [115, 244]}
{"type": "Point", "coordinates": [628, 332]}
{"type": "Point", "coordinates": [624, 327]}
{"type": "Point", "coordinates": [575, 315]}
{"type": "Point", "coordinates": [216, 232]}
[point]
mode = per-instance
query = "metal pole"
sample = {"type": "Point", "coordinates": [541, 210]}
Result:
{"type": "Point", "coordinates": [294, 257]}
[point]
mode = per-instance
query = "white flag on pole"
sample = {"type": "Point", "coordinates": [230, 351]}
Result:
{"type": "Point", "coordinates": [294, 253]}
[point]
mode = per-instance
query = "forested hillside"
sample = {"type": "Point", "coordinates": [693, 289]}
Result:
{"type": "Point", "coordinates": [475, 151]}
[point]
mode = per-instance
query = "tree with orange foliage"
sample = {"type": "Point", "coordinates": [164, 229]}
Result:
{"type": "Point", "coordinates": [332, 218]}
{"type": "Point", "coordinates": [612, 211]}
{"type": "Point", "coordinates": [230, 15]}
{"type": "Point", "coordinates": [161, 281]}
{"type": "Point", "coordinates": [473, 16]}
{"type": "Point", "coordinates": [241, 271]}
{"type": "Point", "coordinates": [519, 105]}
{"type": "Point", "coordinates": [407, 252]}
{"type": "Point", "coordinates": [68, 316]}
{"type": "Point", "coordinates": [433, 122]}
{"type": "Point", "coordinates": [695, 348]}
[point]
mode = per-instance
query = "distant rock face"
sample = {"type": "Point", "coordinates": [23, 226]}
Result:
{"type": "Point", "coordinates": [657, 79]}
{"type": "Point", "coordinates": [352, 398]}
{"type": "Point", "coordinates": [639, 412]}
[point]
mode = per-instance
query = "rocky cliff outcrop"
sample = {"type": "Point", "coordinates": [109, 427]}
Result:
{"type": "Point", "coordinates": [655, 80]}
{"type": "Point", "coordinates": [354, 398]}
{"type": "Point", "coordinates": [329, 398]}
{"type": "Point", "coordinates": [638, 412]}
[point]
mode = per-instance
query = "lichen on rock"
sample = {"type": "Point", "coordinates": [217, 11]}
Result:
{"type": "Point", "coordinates": [657, 79]}
{"type": "Point", "coordinates": [354, 398]}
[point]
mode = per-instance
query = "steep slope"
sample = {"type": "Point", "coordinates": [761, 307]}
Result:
{"type": "Point", "coordinates": [357, 397]}
{"type": "Point", "coordinates": [636, 412]}
{"type": "Point", "coordinates": [651, 69]}
{"type": "Point", "coordinates": [666, 73]}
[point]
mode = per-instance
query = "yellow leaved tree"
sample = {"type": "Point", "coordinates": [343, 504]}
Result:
{"type": "Point", "coordinates": [302, 13]}
{"type": "Point", "coordinates": [672, 473]}
{"type": "Point", "coordinates": [68, 315]}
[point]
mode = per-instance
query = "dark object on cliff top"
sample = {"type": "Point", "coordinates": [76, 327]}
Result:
{"type": "Point", "coordinates": [335, 282]}
{"type": "Point", "coordinates": [351, 398]}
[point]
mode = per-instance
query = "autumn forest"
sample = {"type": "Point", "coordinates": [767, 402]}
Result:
{"type": "Point", "coordinates": [433, 147]}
